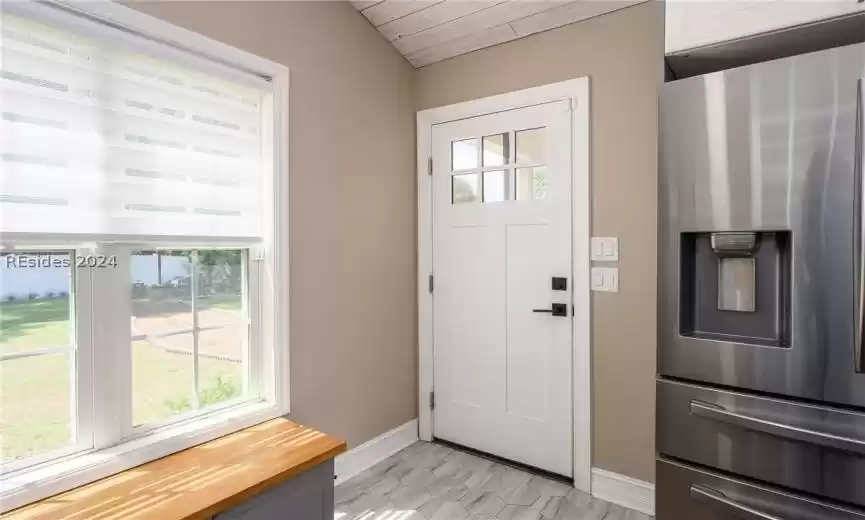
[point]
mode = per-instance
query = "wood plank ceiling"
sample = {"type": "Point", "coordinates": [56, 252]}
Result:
{"type": "Point", "coordinates": [427, 31]}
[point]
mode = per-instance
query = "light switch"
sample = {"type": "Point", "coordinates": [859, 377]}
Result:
{"type": "Point", "coordinates": [605, 249]}
{"type": "Point", "coordinates": [605, 279]}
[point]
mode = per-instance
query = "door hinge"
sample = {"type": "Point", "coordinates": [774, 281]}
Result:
{"type": "Point", "coordinates": [432, 400]}
{"type": "Point", "coordinates": [431, 284]}
{"type": "Point", "coordinates": [429, 166]}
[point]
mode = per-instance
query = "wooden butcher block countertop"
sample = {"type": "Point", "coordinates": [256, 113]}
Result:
{"type": "Point", "coordinates": [196, 483]}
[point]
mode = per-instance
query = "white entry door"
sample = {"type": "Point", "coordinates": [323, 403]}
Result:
{"type": "Point", "coordinates": [501, 233]}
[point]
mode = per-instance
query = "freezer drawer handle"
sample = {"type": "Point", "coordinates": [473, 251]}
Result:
{"type": "Point", "coordinates": [721, 414]}
{"type": "Point", "coordinates": [707, 494]}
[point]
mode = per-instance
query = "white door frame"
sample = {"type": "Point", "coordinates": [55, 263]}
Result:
{"type": "Point", "coordinates": [577, 90]}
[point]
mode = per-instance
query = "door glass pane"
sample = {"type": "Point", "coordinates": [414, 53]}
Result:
{"type": "Point", "coordinates": [532, 183]}
{"type": "Point", "coordinates": [36, 380]}
{"type": "Point", "coordinates": [495, 186]}
{"type": "Point", "coordinates": [466, 188]}
{"type": "Point", "coordinates": [540, 182]}
{"type": "Point", "coordinates": [530, 146]}
{"type": "Point", "coordinates": [495, 150]}
{"type": "Point", "coordinates": [464, 154]}
{"type": "Point", "coordinates": [35, 405]}
{"type": "Point", "coordinates": [35, 311]}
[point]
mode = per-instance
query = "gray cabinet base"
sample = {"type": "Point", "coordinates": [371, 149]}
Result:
{"type": "Point", "coordinates": [308, 496]}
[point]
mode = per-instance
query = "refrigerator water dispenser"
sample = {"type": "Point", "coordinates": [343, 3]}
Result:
{"type": "Point", "coordinates": [735, 286]}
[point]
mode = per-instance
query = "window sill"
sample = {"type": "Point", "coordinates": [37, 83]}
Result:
{"type": "Point", "coordinates": [199, 483]}
{"type": "Point", "coordinates": [21, 488]}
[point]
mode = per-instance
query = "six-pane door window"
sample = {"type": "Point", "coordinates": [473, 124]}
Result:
{"type": "Point", "coordinates": [491, 169]}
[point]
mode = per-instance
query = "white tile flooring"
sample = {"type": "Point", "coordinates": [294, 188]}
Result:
{"type": "Point", "coordinates": [434, 482]}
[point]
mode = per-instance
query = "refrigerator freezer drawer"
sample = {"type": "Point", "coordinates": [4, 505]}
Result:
{"type": "Point", "coordinates": [815, 449]}
{"type": "Point", "coordinates": [686, 493]}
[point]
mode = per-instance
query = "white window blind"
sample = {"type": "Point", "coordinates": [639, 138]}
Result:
{"type": "Point", "coordinates": [99, 140]}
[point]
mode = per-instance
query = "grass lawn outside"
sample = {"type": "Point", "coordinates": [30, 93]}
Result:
{"type": "Point", "coordinates": [35, 395]}
{"type": "Point", "coordinates": [226, 302]}
{"type": "Point", "coordinates": [35, 405]}
{"type": "Point", "coordinates": [34, 324]}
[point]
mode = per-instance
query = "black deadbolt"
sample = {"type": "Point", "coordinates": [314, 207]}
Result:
{"type": "Point", "coordinates": [560, 284]}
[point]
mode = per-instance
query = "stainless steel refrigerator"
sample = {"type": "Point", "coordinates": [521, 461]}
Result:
{"type": "Point", "coordinates": [761, 348]}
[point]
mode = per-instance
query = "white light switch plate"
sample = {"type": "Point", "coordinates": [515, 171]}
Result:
{"type": "Point", "coordinates": [605, 279]}
{"type": "Point", "coordinates": [605, 249]}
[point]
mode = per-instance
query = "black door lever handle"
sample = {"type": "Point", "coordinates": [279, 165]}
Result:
{"type": "Point", "coordinates": [557, 309]}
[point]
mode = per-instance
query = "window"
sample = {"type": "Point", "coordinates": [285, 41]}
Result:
{"type": "Point", "coordinates": [142, 243]}
{"type": "Point", "coordinates": [37, 349]}
{"type": "Point", "coordinates": [190, 332]}
{"type": "Point", "coordinates": [477, 168]}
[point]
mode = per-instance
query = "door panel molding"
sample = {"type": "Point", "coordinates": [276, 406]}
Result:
{"type": "Point", "coordinates": [577, 91]}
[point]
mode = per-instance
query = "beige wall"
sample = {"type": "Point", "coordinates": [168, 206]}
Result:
{"type": "Point", "coordinates": [622, 53]}
{"type": "Point", "coordinates": [352, 182]}
{"type": "Point", "coordinates": [353, 260]}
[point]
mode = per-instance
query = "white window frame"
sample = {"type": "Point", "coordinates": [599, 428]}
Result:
{"type": "Point", "coordinates": [76, 466]}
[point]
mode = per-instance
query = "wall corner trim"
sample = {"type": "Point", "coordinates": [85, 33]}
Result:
{"type": "Point", "coordinates": [624, 491]}
{"type": "Point", "coordinates": [359, 459]}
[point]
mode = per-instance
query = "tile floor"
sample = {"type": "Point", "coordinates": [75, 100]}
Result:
{"type": "Point", "coordinates": [433, 482]}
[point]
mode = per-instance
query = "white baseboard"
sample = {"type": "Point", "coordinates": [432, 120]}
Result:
{"type": "Point", "coordinates": [370, 453]}
{"type": "Point", "coordinates": [624, 491]}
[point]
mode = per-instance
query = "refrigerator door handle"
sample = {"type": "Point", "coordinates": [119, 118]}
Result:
{"type": "Point", "coordinates": [859, 239]}
{"type": "Point", "coordinates": [719, 413]}
{"type": "Point", "coordinates": [707, 494]}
